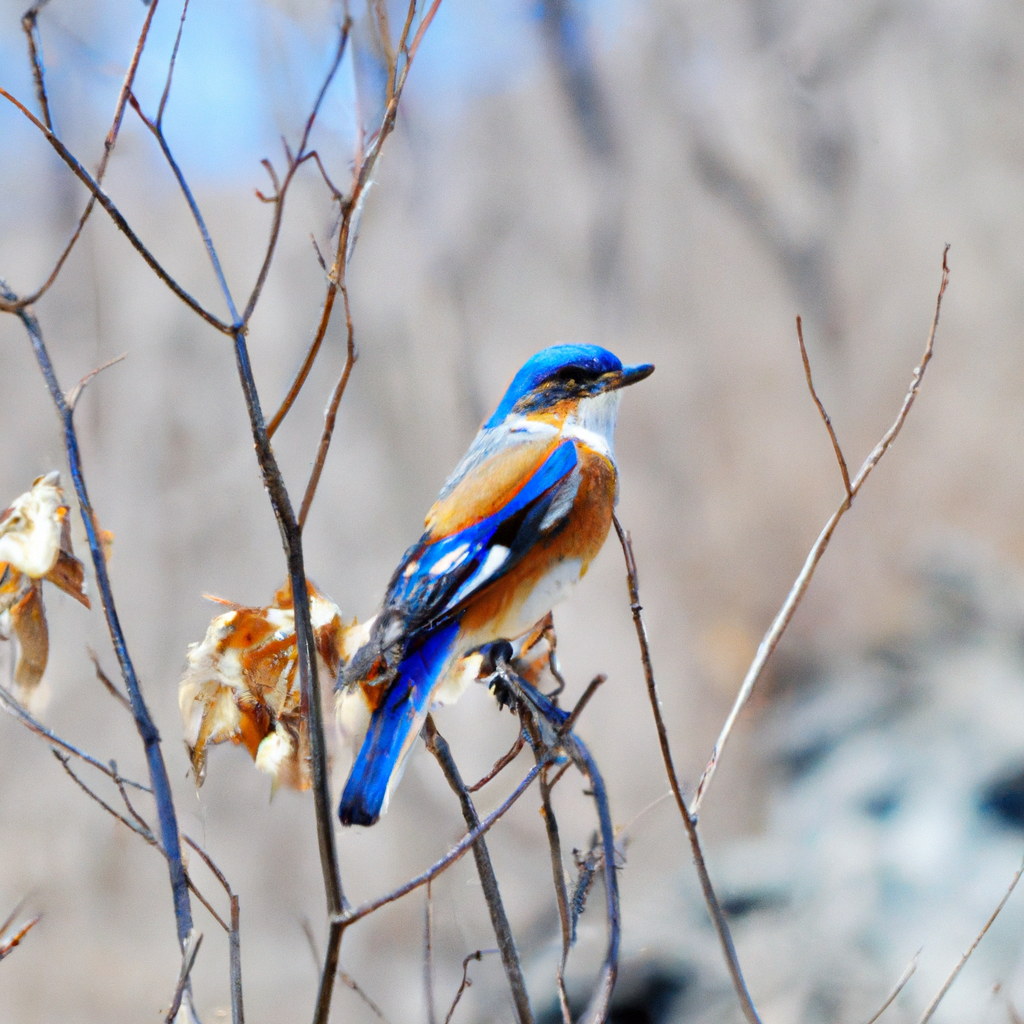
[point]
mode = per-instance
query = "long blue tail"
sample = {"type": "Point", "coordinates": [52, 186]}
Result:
{"type": "Point", "coordinates": [393, 727]}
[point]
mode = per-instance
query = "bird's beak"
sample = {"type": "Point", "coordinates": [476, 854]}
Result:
{"type": "Point", "coordinates": [628, 375]}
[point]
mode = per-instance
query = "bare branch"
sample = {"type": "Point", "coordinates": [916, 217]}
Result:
{"type": "Point", "coordinates": [105, 680]}
{"type": "Point", "coordinates": [330, 417]}
{"type": "Point", "coordinates": [428, 956]}
{"type": "Point", "coordinates": [897, 988]}
{"type": "Point", "coordinates": [30, 25]}
{"type": "Point", "coordinates": [821, 408]}
{"type": "Point", "coordinates": [940, 995]}
{"type": "Point", "coordinates": [108, 146]}
{"type": "Point", "coordinates": [689, 821]}
{"type": "Point", "coordinates": [75, 393]}
{"type": "Point", "coordinates": [502, 763]}
{"type": "Point", "coordinates": [14, 708]}
{"type": "Point", "coordinates": [188, 960]}
{"type": "Point", "coordinates": [12, 304]}
{"type": "Point", "coordinates": [438, 746]}
{"type": "Point", "coordinates": [455, 853]}
{"type": "Point", "coordinates": [799, 588]}
{"type": "Point", "coordinates": [350, 982]}
{"type": "Point", "coordinates": [465, 983]}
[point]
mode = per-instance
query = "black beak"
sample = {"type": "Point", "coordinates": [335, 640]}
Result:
{"type": "Point", "coordinates": [628, 375]}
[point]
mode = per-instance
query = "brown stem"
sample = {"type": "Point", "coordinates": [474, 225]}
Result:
{"type": "Point", "coordinates": [438, 746]}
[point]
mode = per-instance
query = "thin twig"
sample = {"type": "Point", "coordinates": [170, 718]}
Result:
{"type": "Point", "coordinates": [689, 820]}
{"type": "Point", "coordinates": [188, 960]}
{"type": "Point", "coordinates": [927, 1015]}
{"type": "Point", "coordinates": [331, 416]}
{"type": "Point", "coordinates": [438, 746]}
{"type": "Point", "coordinates": [455, 853]}
{"type": "Point", "coordinates": [897, 988]}
{"type": "Point", "coordinates": [12, 304]}
{"type": "Point", "coordinates": [428, 956]}
{"type": "Point", "coordinates": [108, 146]}
{"type": "Point", "coordinates": [282, 189]}
{"type": "Point", "coordinates": [104, 679]}
{"type": "Point", "coordinates": [821, 408]}
{"type": "Point", "coordinates": [561, 895]}
{"type": "Point", "coordinates": [502, 763]}
{"type": "Point", "coordinates": [584, 701]}
{"type": "Point", "coordinates": [350, 982]}
{"type": "Point", "coordinates": [30, 25]}
{"type": "Point", "coordinates": [12, 706]}
{"type": "Point", "coordinates": [799, 588]}
{"type": "Point", "coordinates": [144, 724]}
{"type": "Point", "coordinates": [75, 393]}
{"type": "Point", "coordinates": [544, 723]}
{"type": "Point", "coordinates": [170, 68]}
{"type": "Point", "coordinates": [465, 983]}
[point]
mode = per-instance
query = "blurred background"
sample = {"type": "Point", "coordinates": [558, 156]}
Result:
{"type": "Point", "coordinates": [675, 181]}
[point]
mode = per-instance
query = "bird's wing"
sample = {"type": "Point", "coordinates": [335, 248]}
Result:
{"type": "Point", "coordinates": [484, 527]}
{"type": "Point", "coordinates": [476, 533]}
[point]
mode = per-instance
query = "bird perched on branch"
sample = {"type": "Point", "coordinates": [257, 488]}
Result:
{"type": "Point", "coordinates": [516, 525]}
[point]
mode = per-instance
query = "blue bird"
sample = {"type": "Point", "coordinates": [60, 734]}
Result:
{"type": "Point", "coordinates": [515, 526]}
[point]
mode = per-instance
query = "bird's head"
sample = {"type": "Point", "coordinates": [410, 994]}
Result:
{"type": "Point", "coordinates": [565, 374]}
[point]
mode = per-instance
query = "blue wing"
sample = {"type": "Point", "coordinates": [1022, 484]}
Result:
{"type": "Point", "coordinates": [445, 572]}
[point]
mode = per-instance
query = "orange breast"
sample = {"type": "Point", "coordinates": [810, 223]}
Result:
{"type": "Point", "coordinates": [504, 609]}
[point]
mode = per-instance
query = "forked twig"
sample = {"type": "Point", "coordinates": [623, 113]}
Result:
{"type": "Point", "coordinates": [188, 960]}
{"type": "Point", "coordinates": [108, 144]}
{"type": "Point", "coordinates": [799, 588]}
{"type": "Point", "coordinates": [30, 25]}
{"type": "Point", "coordinates": [689, 820]}
{"type": "Point", "coordinates": [940, 995]}
{"type": "Point", "coordinates": [821, 408]}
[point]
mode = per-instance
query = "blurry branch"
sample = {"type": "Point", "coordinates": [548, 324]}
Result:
{"type": "Point", "coordinates": [689, 819]}
{"type": "Point", "coordinates": [349, 982]}
{"type": "Point", "coordinates": [795, 596]}
{"type": "Point", "coordinates": [428, 956]}
{"type": "Point", "coordinates": [105, 680]}
{"type": "Point", "coordinates": [76, 392]}
{"type": "Point", "coordinates": [927, 1015]}
{"type": "Point", "coordinates": [29, 24]}
{"type": "Point", "coordinates": [465, 983]}
{"type": "Point", "coordinates": [826, 419]}
{"type": "Point", "coordinates": [897, 988]}
{"type": "Point", "coordinates": [143, 721]}
{"type": "Point", "coordinates": [9, 939]}
{"type": "Point", "coordinates": [188, 960]}
{"type": "Point", "coordinates": [438, 746]}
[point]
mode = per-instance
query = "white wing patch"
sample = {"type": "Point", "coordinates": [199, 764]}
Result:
{"type": "Point", "coordinates": [454, 557]}
{"type": "Point", "coordinates": [492, 563]}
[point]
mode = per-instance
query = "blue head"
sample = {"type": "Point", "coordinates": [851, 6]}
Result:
{"type": "Point", "coordinates": [565, 372]}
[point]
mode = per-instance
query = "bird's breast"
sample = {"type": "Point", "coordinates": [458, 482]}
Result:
{"type": "Point", "coordinates": [548, 571]}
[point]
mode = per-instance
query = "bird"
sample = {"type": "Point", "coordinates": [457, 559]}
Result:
{"type": "Point", "coordinates": [515, 526]}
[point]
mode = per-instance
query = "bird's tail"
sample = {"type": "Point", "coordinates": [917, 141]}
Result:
{"type": "Point", "coordinates": [394, 725]}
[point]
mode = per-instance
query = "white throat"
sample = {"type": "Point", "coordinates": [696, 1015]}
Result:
{"type": "Point", "coordinates": [593, 423]}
